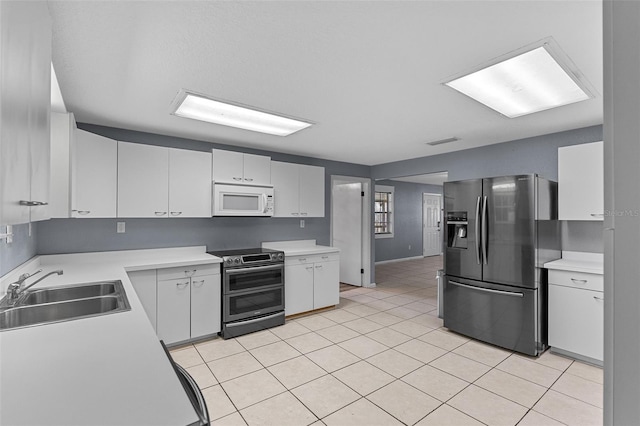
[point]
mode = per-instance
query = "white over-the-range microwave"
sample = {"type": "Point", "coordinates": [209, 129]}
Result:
{"type": "Point", "coordinates": [242, 200]}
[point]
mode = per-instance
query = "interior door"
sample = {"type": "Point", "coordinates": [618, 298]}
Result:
{"type": "Point", "coordinates": [347, 230]}
{"type": "Point", "coordinates": [461, 209]}
{"type": "Point", "coordinates": [510, 230]}
{"type": "Point", "coordinates": [431, 220]}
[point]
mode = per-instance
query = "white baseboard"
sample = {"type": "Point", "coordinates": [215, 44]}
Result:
{"type": "Point", "coordinates": [402, 259]}
{"type": "Point", "coordinates": [370, 285]}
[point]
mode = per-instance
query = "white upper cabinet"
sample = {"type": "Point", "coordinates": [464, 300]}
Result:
{"type": "Point", "coordinates": [298, 190]}
{"type": "Point", "coordinates": [311, 191]}
{"type": "Point", "coordinates": [94, 176]}
{"type": "Point", "coordinates": [63, 133]}
{"type": "Point", "coordinates": [143, 178]}
{"type": "Point", "coordinates": [156, 181]}
{"type": "Point", "coordinates": [236, 167]}
{"type": "Point", "coordinates": [25, 102]}
{"type": "Point", "coordinates": [581, 182]}
{"type": "Point", "coordinates": [189, 183]}
{"type": "Point", "coordinates": [256, 169]}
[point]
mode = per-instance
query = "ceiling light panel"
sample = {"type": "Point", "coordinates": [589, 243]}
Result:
{"type": "Point", "coordinates": [198, 107]}
{"type": "Point", "coordinates": [530, 82]}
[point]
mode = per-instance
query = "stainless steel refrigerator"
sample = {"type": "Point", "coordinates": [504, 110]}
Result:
{"type": "Point", "coordinates": [499, 232]}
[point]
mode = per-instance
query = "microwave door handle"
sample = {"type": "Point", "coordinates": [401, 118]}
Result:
{"type": "Point", "coordinates": [264, 203]}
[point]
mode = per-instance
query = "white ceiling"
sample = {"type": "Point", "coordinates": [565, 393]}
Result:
{"type": "Point", "coordinates": [368, 74]}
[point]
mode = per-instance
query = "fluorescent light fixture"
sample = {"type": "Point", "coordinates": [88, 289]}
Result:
{"type": "Point", "coordinates": [529, 82]}
{"type": "Point", "coordinates": [199, 107]}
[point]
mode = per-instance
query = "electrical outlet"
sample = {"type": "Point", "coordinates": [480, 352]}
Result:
{"type": "Point", "coordinates": [120, 228]}
{"type": "Point", "coordinates": [9, 234]}
{"type": "Point", "coordinates": [301, 223]}
{"type": "Point", "coordinates": [409, 246]}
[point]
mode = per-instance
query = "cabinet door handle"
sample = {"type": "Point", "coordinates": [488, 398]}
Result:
{"type": "Point", "coordinates": [325, 257]}
{"type": "Point", "coordinates": [176, 213]}
{"type": "Point", "coordinates": [597, 214]}
{"type": "Point", "coordinates": [303, 259]}
{"type": "Point", "coordinates": [189, 273]}
{"type": "Point", "coordinates": [32, 203]}
{"type": "Point", "coordinates": [295, 214]}
{"type": "Point", "coordinates": [237, 178]}
{"type": "Point", "coordinates": [182, 285]}
{"type": "Point", "coordinates": [598, 298]}
{"type": "Point", "coordinates": [198, 283]}
{"type": "Point", "coordinates": [304, 214]}
{"type": "Point", "coordinates": [578, 281]}
{"type": "Point", "coordinates": [248, 179]}
{"type": "Point", "coordinates": [308, 268]}
{"type": "Point", "coordinates": [160, 213]}
{"type": "Point", "coordinates": [318, 266]}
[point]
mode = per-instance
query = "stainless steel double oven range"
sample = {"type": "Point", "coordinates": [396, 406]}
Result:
{"type": "Point", "coordinates": [252, 290]}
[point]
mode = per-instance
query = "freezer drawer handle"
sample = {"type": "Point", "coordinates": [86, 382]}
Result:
{"type": "Point", "coordinates": [578, 281]}
{"type": "Point", "coordinates": [488, 290]}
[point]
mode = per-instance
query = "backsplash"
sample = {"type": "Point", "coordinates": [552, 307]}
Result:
{"type": "Point", "coordinates": [582, 236]}
{"type": "Point", "coordinates": [20, 250]}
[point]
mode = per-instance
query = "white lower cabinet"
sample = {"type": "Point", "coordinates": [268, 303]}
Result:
{"type": "Point", "coordinates": [576, 317]}
{"type": "Point", "coordinates": [311, 282]}
{"type": "Point", "coordinates": [144, 283]}
{"type": "Point", "coordinates": [182, 303]}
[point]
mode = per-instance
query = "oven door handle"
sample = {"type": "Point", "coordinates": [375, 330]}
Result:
{"type": "Point", "coordinates": [236, 271]}
{"type": "Point", "coordinates": [245, 322]}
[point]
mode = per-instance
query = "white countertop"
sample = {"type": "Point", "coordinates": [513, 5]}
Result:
{"type": "Point", "coordinates": [591, 263]}
{"type": "Point", "coordinates": [104, 370]}
{"type": "Point", "coordinates": [299, 247]}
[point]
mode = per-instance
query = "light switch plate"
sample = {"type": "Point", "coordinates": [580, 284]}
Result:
{"type": "Point", "coordinates": [301, 223]}
{"type": "Point", "coordinates": [120, 228]}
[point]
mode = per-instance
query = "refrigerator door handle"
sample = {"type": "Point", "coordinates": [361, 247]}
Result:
{"type": "Point", "coordinates": [485, 240]}
{"type": "Point", "coordinates": [477, 233]}
{"type": "Point", "coordinates": [488, 290]}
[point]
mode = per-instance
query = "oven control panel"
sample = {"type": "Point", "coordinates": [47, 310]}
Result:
{"type": "Point", "coordinates": [249, 259]}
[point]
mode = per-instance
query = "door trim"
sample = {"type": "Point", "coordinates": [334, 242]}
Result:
{"type": "Point", "coordinates": [367, 228]}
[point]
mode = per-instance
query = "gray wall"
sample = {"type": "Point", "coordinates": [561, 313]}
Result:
{"type": "Point", "coordinates": [86, 235]}
{"type": "Point", "coordinates": [585, 236]}
{"type": "Point", "coordinates": [407, 222]}
{"type": "Point", "coordinates": [20, 250]}
{"type": "Point", "coordinates": [531, 155]}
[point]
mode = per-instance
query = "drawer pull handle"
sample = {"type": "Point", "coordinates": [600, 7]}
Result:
{"type": "Point", "coordinates": [325, 257]}
{"type": "Point", "coordinates": [304, 259]}
{"type": "Point", "coordinates": [597, 214]}
{"type": "Point", "coordinates": [488, 290]}
{"type": "Point", "coordinates": [318, 266]}
{"type": "Point", "coordinates": [598, 298]}
{"type": "Point", "coordinates": [248, 179]}
{"type": "Point", "coordinates": [190, 273]}
{"type": "Point", "coordinates": [578, 281]}
{"type": "Point", "coordinates": [237, 178]}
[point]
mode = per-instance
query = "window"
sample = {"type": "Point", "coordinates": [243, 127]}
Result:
{"type": "Point", "coordinates": [383, 223]}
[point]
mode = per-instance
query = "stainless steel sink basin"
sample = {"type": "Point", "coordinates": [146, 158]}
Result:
{"type": "Point", "coordinates": [65, 303]}
{"type": "Point", "coordinates": [59, 294]}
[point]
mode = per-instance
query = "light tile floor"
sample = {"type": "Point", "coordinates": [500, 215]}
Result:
{"type": "Point", "coordinates": [383, 358]}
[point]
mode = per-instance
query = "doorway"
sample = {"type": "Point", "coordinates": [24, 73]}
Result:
{"type": "Point", "coordinates": [431, 221]}
{"type": "Point", "coordinates": [351, 227]}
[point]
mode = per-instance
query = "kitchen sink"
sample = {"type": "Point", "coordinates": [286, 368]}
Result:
{"type": "Point", "coordinates": [65, 303]}
{"type": "Point", "coordinates": [59, 294]}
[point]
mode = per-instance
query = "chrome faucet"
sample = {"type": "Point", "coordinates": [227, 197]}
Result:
{"type": "Point", "coordinates": [15, 290]}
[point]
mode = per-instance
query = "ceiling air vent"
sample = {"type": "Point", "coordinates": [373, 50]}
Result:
{"type": "Point", "coordinates": [441, 141]}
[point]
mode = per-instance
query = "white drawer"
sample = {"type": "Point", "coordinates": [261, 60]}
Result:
{"type": "Point", "coordinates": [188, 271]}
{"type": "Point", "coordinates": [581, 280]}
{"type": "Point", "coordinates": [315, 258]}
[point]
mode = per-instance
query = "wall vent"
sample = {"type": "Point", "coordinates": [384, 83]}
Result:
{"type": "Point", "coordinates": [441, 141]}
